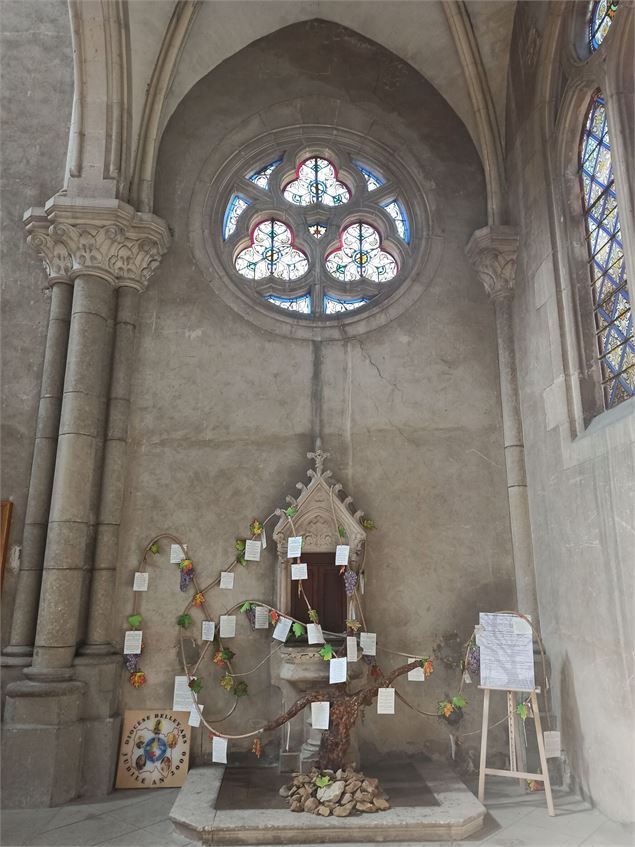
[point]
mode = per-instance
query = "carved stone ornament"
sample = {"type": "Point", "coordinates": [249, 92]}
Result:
{"type": "Point", "coordinates": [321, 509]}
{"type": "Point", "coordinates": [492, 251]}
{"type": "Point", "coordinates": [104, 238]}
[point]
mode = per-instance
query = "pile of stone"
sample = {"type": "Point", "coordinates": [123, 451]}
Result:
{"type": "Point", "coordinates": [349, 792]}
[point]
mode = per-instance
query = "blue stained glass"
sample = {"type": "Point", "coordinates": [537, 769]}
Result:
{"type": "Point", "coordinates": [398, 214]}
{"type": "Point", "coordinates": [301, 304]}
{"type": "Point", "coordinates": [316, 182]}
{"type": "Point", "coordinates": [612, 307]}
{"type": "Point", "coordinates": [261, 176]}
{"type": "Point", "coordinates": [336, 305]}
{"type": "Point", "coordinates": [600, 20]}
{"type": "Point", "coordinates": [372, 180]}
{"type": "Point", "coordinates": [234, 210]}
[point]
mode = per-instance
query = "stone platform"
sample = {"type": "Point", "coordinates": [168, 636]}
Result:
{"type": "Point", "coordinates": [448, 812]}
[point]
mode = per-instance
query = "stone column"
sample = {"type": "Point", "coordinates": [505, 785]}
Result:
{"type": "Point", "coordinates": [43, 465]}
{"type": "Point", "coordinates": [492, 252]}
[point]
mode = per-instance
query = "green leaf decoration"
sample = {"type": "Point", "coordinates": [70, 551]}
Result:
{"type": "Point", "coordinates": [326, 652]}
{"type": "Point", "coordinates": [241, 689]}
{"type": "Point", "coordinates": [240, 545]}
{"type": "Point", "coordinates": [369, 524]}
{"type": "Point", "coordinates": [227, 682]}
{"type": "Point", "coordinates": [522, 710]}
{"type": "Point", "coordinates": [458, 702]}
{"type": "Point", "coordinates": [255, 527]}
{"type": "Point", "coordinates": [196, 684]}
{"type": "Point", "coordinates": [313, 616]}
{"type": "Point", "coordinates": [322, 781]}
{"type": "Point", "coordinates": [241, 560]}
{"type": "Point", "coordinates": [245, 606]}
{"type": "Point", "coordinates": [134, 620]}
{"type": "Point", "coordinates": [298, 629]}
{"type": "Point", "coordinates": [154, 548]}
{"type": "Point", "coordinates": [291, 511]}
{"type": "Point", "coordinates": [341, 532]}
{"type": "Point", "coordinates": [184, 621]}
{"type": "Point", "coordinates": [226, 654]}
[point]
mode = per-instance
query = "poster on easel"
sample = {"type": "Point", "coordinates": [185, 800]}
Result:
{"type": "Point", "coordinates": [154, 750]}
{"type": "Point", "coordinates": [506, 652]}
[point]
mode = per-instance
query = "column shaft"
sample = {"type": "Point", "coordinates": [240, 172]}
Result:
{"type": "Point", "coordinates": [42, 471]}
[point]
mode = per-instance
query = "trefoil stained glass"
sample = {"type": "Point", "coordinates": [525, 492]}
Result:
{"type": "Point", "coordinates": [316, 182]}
{"type": "Point", "coordinates": [360, 256]}
{"type": "Point", "coordinates": [271, 254]}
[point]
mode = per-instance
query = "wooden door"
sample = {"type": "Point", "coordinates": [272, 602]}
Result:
{"type": "Point", "coordinates": [324, 590]}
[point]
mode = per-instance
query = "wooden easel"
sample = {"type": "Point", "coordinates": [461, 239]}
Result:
{"type": "Point", "coordinates": [511, 716]}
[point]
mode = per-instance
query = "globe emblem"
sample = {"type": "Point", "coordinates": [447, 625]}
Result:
{"type": "Point", "coordinates": [317, 190]}
{"type": "Point", "coordinates": [155, 749]}
{"type": "Point", "coordinates": [360, 258]}
{"type": "Point", "coordinates": [271, 255]}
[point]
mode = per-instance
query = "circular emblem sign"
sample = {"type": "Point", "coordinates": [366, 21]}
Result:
{"type": "Point", "coordinates": [155, 749]}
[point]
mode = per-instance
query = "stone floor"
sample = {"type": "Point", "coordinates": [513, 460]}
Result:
{"type": "Point", "coordinates": [140, 819]}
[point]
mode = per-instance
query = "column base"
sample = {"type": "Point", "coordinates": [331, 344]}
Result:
{"type": "Point", "coordinates": [18, 651]}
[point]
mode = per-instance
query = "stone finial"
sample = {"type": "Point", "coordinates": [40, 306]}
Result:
{"type": "Point", "coordinates": [106, 238]}
{"type": "Point", "coordinates": [492, 252]}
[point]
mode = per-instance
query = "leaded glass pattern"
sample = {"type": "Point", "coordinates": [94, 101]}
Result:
{"type": "Point", "coordinates": [271, 254]}
{"type": "Point", "coordinates": [317, 230]}
{"type": "Point", "coordinates": [397, 212]}
{"type": "Point", "coordinates": [601, 17]}
{"type": "Point", "coordinates": [234, 210]}
{"type": "Point", "coordinates": [316, 182]}
{"type": "Point", "coordinates": [360, 256]}
{"type": "Point", "coordinates": [261, 176]}
{"type": "Point", "coordinates": [372, 180]}
{"type": "Point", "coordinates": [337, 305]}
{"type": "Point", "coordinates": [301, 305]}
{"type": "Point", "coordinates": [612, 307]}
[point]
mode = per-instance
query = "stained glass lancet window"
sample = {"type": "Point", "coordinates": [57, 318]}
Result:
{"type": "Point", "coordinates": [234, 210]}
{"type": "Point", "coordinates": [261, 176]}
{"type": "Point", "coordinates": [271, 254]}
{"type": "Point", "coordinates": [373, 181]}
{"type": "Point", "coordinates": [316, 182]}
{"type": "Point", "coordinates": [360, 256]}
{"type": "Point", "coordinates": [397, 212]}
{"type": "Point", "coordinates": [611, 300]}
{"type": "Point", "coordinates": [601, 14]}
{"type": "Point", "coordinates": [301, 305]}
{"type": "Point", "coordinates": [337, 305]}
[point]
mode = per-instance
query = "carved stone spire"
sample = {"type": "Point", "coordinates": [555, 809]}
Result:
{"type": "Point", "coordinates": [492, 252]}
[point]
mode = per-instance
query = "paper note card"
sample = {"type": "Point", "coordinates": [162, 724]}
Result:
{"type": "Point", "coordinates": [337, 670]}
{"type": "Point", "coordinates": [226, 579]}
{"type": "Point", "coordinates": [416, 675]}
{"type": "Point", "coordinates": [219, 750]}
{"type": "Point", "coordinates": [314, 633]}
{"type": "Point", "coordinates": [368, 643]}
{"type": "Point", "coordinates": [341, 554]}
{"type": "Point", "coordinates": [294, 546]}
{"type": "Point", "coordinates": [195, 715]}
{"type": "Point", "coordinates": [261, 620]}
{"type": "Point", "coordinates": [132, 642]}
{"type": "Point", "coordinates": [552, 744]}
{"type": "Point", "coordinates": [507, 656]}
{"type": "Point", "coordinates": [140, 581]}
{"type": "Point", "coordinates": [351, 648]}
{"type": "Point", "coordinates": [467, 679]}
{"type": "Point", "coordinates": [207, 630]}
{"type": "Point", "coordinates": [320, 715]}
{"type": "Point", "coordinates": [176, 554]}
{"type": "Point", "coordinates": [281, 631]}
{"type": "Point", "coordinates": [386, 701]}
{"type": "Point", "coordinates": [227, 626]}
{"type": "Point", "coordinates": [182, 699]}
{"type": "Point", "coordinates": [252, 551]}
{"type": "Point", "coordinates": [299, 571]}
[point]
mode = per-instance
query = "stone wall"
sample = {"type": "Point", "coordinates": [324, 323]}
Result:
{"type": "Point", "coordinates": [222, 418]}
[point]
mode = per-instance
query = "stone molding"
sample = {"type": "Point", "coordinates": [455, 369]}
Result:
{"type": "Point", "coordinates": [492, 252]}
{"type": "Point", "coordinates": [105, 238]}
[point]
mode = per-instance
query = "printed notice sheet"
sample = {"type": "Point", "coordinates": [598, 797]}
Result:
{"type": "Point", "coordinates": [416, 675]}
{"type": "Point", "coordinates": [351, 648]}
{"type": "Point", "coordinates": [226, 579]}
{"type": "Point", "coordinates": [219, 750]}
{"type": "Point", "coordinates": [552, 744]}
{"type": "Point", "coordinates": [207, 630]}
{"type": "Point", "coordinates": [314, 633]}
{"type": "Point", "coordinates": [183, 698]}
{"type": "Point", "coordinates": [386, 701]}
{"type": "Point", "coordinates": [227, 626]}
{"type": "Point", "coordinates": [252, 551]}
{"type": "Point", "coordinates": [132, 642]}
{"type": "Point", "coordinates": [320, 715]}
{"type": "Point", "coordinates": [341, 554]}
{"type": "Point", "coordinates": [294, 546]}
{"type": "Point", "coordinates": [261, 620]}
{"type": "Point", "coordinates": [195, 715]}
{"type": "Point", "coordinates": [281, 631]}
{"type": "Point", "coordinates": [176, 554]}
{"type": "Point", "coordinates": [368, 643]}
{"type": "Point", "coordinates": [299, 571]}
{"type": "Point", "coordinates": [337, 670]}
{"type": "Point", "coordinates": [140, 581]}
{"type": "Point", "coordinates": [507, 656]}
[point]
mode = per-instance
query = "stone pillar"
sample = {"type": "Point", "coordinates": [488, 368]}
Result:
{"type": "Point", "coordinates": [492, 252]}
{"type": "Point", "coordinates": [104, 244]}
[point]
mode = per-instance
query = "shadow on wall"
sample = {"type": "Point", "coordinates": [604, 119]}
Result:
{"type": "Point", "coordinates": [572, 734]}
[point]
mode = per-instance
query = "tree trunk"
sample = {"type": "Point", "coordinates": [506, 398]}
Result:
{"type": "Point", "coordinates": [336, 740]}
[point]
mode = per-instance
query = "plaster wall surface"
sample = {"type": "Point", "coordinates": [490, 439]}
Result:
{"type": "Point", "coordinates": [222, 417]}
{"type": "Point", "coordinates": [35, 100]}
{"type": "Point", "coordinates": [581, 490]}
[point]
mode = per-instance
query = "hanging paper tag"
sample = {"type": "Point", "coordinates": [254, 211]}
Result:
{"type": "Point", "coordinates": [467, 679]}
{"type": "Point", "coordinates": [294, 546]}
{"type": "Point", "coordinates": [314, 633]}
{"type": "Point", "coordinates": [263, 538]}
{"type": "Point", "coordinates": [252, 551]}
{"type": "Point", "coordinates": [207, 630]}
{"type": "Point", "coordinates": [140, 581]}
{"type": "Point", "coordinates": [227, 626]}
{"type": "Point", "coordinates": [299, 571]}
{"type": "Point", "coordinates": [132, 642]}
{"type": "Point", "coordinates": [183, 697]}
{"type": "Point", "coordinates": [281, 631]}
{"type": "Point", "coordinates": [195, 715]}
{"type": "Point", "coordinates": [176, 554]}
{"type": "Point", "coordinates": [226, 579]}
{"type": "Point", "coordinates": [386, 701]}
{"type": "Point", "coordinates": [341, 554]}
{"type": "Point", "coordinates": [261, 620]}
{"type": "Point", "coordinates": [417, 674]}
{"type": "Point", "coordinates": [351, 648]}
{"type": "Point", "coordinates": [219, 750]}
{"type": "Point", "coordinates": [552, 744]}
{"type": "Point", "coordinates": [368, 643]}
{"type": "Point", "coordinates": [337, 670]}
{"type": "Point", "coordinates": [320, 715]}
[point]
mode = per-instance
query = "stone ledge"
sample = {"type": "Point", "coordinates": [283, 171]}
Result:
{"type": "Point", "coordinates": [194, 814]}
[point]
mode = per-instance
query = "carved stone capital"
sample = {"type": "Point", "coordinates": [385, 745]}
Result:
{"type": "Point", "coordinates": [104, 238]}
{"type": "Point", "coordinates": [492, 252]}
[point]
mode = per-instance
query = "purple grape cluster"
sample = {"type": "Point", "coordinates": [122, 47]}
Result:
{"type": "Point", "coordinates": [251, 616]}
{"type": "Point", "coordinates": [186, 579]}
{"type": "Point", "coordinates": [473, 659]}
{"type": "Point", "coordinates": [350, 581]}
{"type": "Point", "coordinates": [131, 661]}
